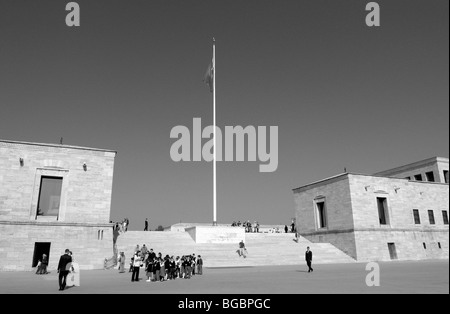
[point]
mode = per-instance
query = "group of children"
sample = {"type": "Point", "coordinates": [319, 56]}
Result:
{"type": "Point", "coordinates": [160, 269]}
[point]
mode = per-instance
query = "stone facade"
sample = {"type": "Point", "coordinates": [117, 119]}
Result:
{"type": "Point", "coordinates": [83, 209]}
{"type": "Point", "coordinates": [353, 219]}
{"type": "Point", "coordinates": [437, 166]}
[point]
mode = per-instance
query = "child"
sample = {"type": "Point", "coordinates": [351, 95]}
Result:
{"type": "Point", "coordinates": [182, 267]}
{"type": "Point", "coordinates": [177, 267]}
{"type": "Point", "coordinates": [187, 267]}
{"type": "Point", "coordinates": [193, 264]}
{"type": "Point", "coordinates": [149, 270]}
{"type": "Point", "coordinates": [156, 269]}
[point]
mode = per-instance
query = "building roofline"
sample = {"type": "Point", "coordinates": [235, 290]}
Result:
{"type": "Point", "coordinates": [321, 182]}
{"type": "Point", "coordinates": [344, 175]}
{"type": "Point", "coordinates": [58, 146]}
{"type": "Point", "coordinates": [412, 166]}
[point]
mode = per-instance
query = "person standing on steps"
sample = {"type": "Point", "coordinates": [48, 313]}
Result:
{"type": "Point", "coordinates": [308, 258]}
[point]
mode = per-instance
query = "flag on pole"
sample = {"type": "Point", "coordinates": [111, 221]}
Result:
{"type": "Point", "coordinates": [209, 77]}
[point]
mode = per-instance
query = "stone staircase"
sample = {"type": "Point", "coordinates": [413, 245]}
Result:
{"type": "Point", "coordinates": [263, 249]}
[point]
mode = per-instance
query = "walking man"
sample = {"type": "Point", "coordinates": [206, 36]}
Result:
{"type": "Point", "coordinates": [63, 261]}
{"type": "Point", "coordinates": [242, 250]}
{"type": "Point", "coordinates": [146, 224]}
{"type": "Point", "coordinates": [308, 258]}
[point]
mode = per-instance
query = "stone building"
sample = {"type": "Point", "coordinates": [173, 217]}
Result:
{"type": "Point", "coordinates": [400, 213]}
{"type": "Point", "coordinates": [54, 197]}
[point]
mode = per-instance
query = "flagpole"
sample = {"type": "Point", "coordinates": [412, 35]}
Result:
{"type": "Point", "coordinates": [214, 130]}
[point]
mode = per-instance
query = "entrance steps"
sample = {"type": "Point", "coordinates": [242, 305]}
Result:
{"type": "Point", "coordinates": [263, 249]}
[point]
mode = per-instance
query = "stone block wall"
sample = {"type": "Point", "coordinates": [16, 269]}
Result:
{"type": "Point", "coordinates": [86, 193]}
{"type": "Point", "coordinates": [372, 245]}
{"type": "Point", "coordinates": [90, 244]}
{"type": "Point", "coordinates": [82, 224]}
{"type": "Point", "coordinates": [403, 197]}
{"type": "Point", "coordinates": [336, 194]}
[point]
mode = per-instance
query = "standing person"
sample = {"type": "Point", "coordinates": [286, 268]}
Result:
{"type": "Point", "coordinates": [308, 258]}
{"type": "Point", "coordinates": [177, 267]}
{"type": "Point", "coordinates": [193, 264]}
{"type": "Point", "coordinates": [187, 267]}
{"type": "Point", "coordinates": [144, 250]}
{"type": "Point", "coordinates": [200, 265]}
{"type": "Point", "coordinates": [151, 255]}
{"type": "Point", "coordinates": [157, 269]}
{"type": "Point", "coordinates": [173, 268]}
{"type": "Point", "coordinates": [74, 275]}
{"type": "Point", "coordinates": [182, 267]}
{"type": "Point", "coordinates": [149, 269]}
{"type": "Point", "coordinates": [122, 262]}
{"type": "Point", "coordinates": [136, 266]}
{"type": "Point", "coordinates": [146, 224]}
{"type": "Point", "coordinates": [286, 229]}
{"type": "Point", "coordinates": [167, 268]}
{"type": "Point", "coordinates": [63, 261]}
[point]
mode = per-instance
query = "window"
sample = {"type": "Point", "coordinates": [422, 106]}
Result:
{"type": "Point", "coordinates": [439, 246]}
{"type": "Point", "coordinates": [430, 176]}
{"type": "Point", "coordinates": [416, 216]}
{"type": "Point", "coordinates": [418, 177]}
{"type": "Point", "coordinates": [445, 217]}
{"type": "Point", "coordinates": [431, 217]}
{"type": "Point", "coordinates": [424, 245]}
{"type": "Point", "coordinates": [408, 178]}
{"type": "Point", "coordinates": [392, 251]}
{"type": "Point", "coordinates": [382, 210]}
{"type": "Point", "coordinates": [321, 214]}
{"type": "Point", "coordinates": [49, 196]}
{"type": "Point", "coordinates": [446, 176]}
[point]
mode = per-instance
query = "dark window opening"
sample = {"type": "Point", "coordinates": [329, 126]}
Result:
{"type": "Point", "coordinates": [430, 176]}
{"type": "Point", "coordinates": [408, 178]}
{"type": "Point", "coordinates": [424, 245]}
{"type": "Point", "coordinates": [40, 248]}
{"type": "Point", "coordinates": [418, 177]}
{"type": "Point", "coordinates": [431, 217]}
{"type": "Point", "coordinates": [445, 217]}
{"type": "Point", "coordinates": [392, 251]}
{"type": "Point", "coordinates": [49, 196]}
{"type": "Point", "coordinates": [322, 214]}
{"type": "Point", "coordinates": [446, 176]}
{"type": "Point", "coordinates": [416, 216]}
{"type": "Point", "coordinates": [382, 210]}
{"type": "Point", "coordinates": [439, 245]}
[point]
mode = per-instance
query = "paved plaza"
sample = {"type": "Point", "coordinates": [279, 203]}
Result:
{"type": "Point", "coordinates": [396, 277]}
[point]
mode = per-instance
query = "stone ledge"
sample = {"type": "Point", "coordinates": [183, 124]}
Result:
{"type": "Point", "coordinates": [55, 223]}
{"type": "Point", "coordinates": [445, 229]}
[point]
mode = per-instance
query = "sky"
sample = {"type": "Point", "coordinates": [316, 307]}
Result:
{"type": "Point", "coordinates": [343, 95]}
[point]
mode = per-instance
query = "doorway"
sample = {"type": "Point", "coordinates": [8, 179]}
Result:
{"type": "Point", "coordinates": [40, 248]}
